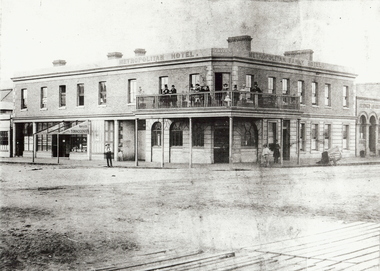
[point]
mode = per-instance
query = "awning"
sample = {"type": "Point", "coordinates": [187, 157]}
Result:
{"type": "Point", "coordinates": [79, 129]}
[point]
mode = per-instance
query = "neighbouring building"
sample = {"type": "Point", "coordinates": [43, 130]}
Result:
{"type": "Point", "coordinates": [368, 119]}
{"type": "Point", "coordinates": [215, 105]}
{"type": "Point", "coordinates": [6, 110]}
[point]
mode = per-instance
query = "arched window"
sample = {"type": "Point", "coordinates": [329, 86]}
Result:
{"type": "Point", "coordinates": [156, 134]}
{"type": "Point", "coordinates": [249, 136]}
{"type": "Point", "coordinates": [176, 134]}
{"type": "Point", "coordinates": [198, 135]}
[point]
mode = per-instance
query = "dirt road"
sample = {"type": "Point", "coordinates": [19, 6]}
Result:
{"type": "Point", "coordinates": [69, 219]}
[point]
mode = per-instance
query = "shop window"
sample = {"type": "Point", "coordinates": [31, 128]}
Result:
{"type": "Point", "coordinates": [176, 134]}
{"type": "Point", "coordinates": [80, 94]}
{"type": "Point", "coordinates": [301, 91]}
{"type": "Point", "coordinates": [314, 93]}
{"type": "Point", "coordinates": [156, 134]}
{"type": "Point", "coordinates": [28, 137]}
{"type": "Point", "coordinates": [314, 137]}
{"type": "Point", "coordinates": [43, 140]}
{"type": "Point", "coordinates": [4, 141]}
{"type": "Point", "coordinates": [327, 94]}
{"type": "Point", "coordinates": [249, 135]}
{"type": "Point", "coordinates": [163, 83]}
{"type": "Point", "coordinates": [303, 137]}
{"type": "Point", "coordinates": [109, 133]}
{"type": "Point", "coordinates": [345, 137]}
{"type": "Point", "coordinates": [24, 98]}
{"type": "Point", "coordinates": [62, 96]}
{"type": "Point", "coordinates": [327, 136]}
{"type": "Point", "coordinates": [79, 143]}
{"type": "Point", "coordinates": [345, 96]}
{"type": "Point", "coordinates": [198, 135]}
{"type": "Point", "coordinates": [249, 81]}
{"type": "Point", "coordinates": [132, 89]}
{"type": "Point", "coordinates": [271, 85]}
{"type": "Point", "coordinates": [43, 97]}
{"type": "Point", "coordinates": [102, 93]}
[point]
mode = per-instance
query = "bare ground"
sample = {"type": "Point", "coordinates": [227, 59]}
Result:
{"type": "Point", "coordinates": [60, 218]}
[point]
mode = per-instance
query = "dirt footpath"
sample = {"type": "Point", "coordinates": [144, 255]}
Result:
{"type": "Point", "coordinates": [61, 218]}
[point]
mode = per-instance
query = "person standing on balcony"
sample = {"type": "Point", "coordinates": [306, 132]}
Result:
{"type": "Point", "coordinates": [257, 90]}
{"type": "Point", "coordinates": [173, 97]}
{"type": "Point", "coordinates": [166, 99]}
{"type": "Point", "coordinates": [235, 95]}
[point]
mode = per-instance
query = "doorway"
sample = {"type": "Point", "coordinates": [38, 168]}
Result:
{"type": "Point", "coordinates": [221, 145]}
{"type": "Point", "coordinates": [64, 145]}
{"type": "Point", "coordinates": [286, 140]}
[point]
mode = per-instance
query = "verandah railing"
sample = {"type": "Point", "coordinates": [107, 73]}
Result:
{"type": "Point", "coordinates": [218, 99]}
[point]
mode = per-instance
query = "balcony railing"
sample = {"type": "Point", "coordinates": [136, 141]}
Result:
{"type": "Point", "coordinates": [218, 99]}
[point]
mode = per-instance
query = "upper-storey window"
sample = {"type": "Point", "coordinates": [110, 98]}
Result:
{"type": "Point", "coordinates": [102, 93]}
{"type": "Point", "coordinates": [24, 98]}
{"type": "Point", "coordinates": [62, 96]}
{"type": "Point", "coordinates": [132, 89]}
{"type": "Point", "coordinates": [345, 96]}
{"type": "Point", "coordinates": [301, 91]}
{"type": "Point", "coordinates": [285, 86]}
{"type": "Point", "coordinates": [271, 85]}
{"type": "Point", "coordinates": [80, 94]}
{"type": "Point", "coordinates": [43, 97]}
{"type": "Point", "coordinates": [249, 81]}
{"type": "Point", "coordinates": [194, 80]}
{"type": "Point", "coordinates": [163, 84]}
{"type": "Point", "coordinates": [328, 94]}
{"type": "Point", "coordinates": [314, 93]}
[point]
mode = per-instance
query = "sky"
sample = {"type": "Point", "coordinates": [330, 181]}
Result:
{"type": "Point", "coordinates": [36, 32]}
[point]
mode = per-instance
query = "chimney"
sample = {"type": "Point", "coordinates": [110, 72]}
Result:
{"type": "Point", "coordinates": [114, 55]}
{"type": "Point", "coordinates": [304, 54]}
{"type": "Point", "coordinates": [140, 52]}
{"type": "Point", "coordinates": [240, 43]}
{"type": "Point", "coordinates": [59, 62]}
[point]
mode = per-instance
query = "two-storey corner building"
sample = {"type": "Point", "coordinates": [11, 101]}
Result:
{"type": "Point", "coordinates": [200, 106]}
{"type": "Point", "coordinates": [6, 111]}
{"type": "Point", "coordinates": [368, 119]}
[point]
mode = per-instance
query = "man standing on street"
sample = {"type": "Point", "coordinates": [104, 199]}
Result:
{"type": "Point", "coordinates": [108, 155]}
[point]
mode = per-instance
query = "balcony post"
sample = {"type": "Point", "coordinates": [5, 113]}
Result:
{"type": "Point", "coordinates": [230, 139]}
{"type": "Point", "coordinates": [136, 142]}
{"type": "Point", "coordinates": [162, 142]}
{"type": "Point", "coordinates": [282, 142]}
{"type": "Point", "coordinates": [298, 141]}
{"type": "Point", "coordinates": [190, 142]}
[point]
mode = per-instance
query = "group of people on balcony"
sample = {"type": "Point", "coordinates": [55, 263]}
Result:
{"type": "Point", "coordinates": [200, 95]}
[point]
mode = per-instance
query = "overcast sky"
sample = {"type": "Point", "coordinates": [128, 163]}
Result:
{"type": "Point", "coordinates": [36, 32]}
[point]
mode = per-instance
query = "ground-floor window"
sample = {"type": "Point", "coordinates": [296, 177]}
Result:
{"type": "Point", "coordinates": [79, 143]}
{"type": "Point", "coordinates": [314, 137]}
{"type": "Point", "coordinates": [198, 135]}
{"type": "Point", "coordinates": [327, 137]}
{"type": "Point", "coordinates": [249, 136]}
{"type": "Point", "coordinates": [4, 141]}
{"type": "Point", "coordinates": [109, 133]}
{"type": "Point", "coordinates": [28, 136]}
{"type": "Point", "coordinates": [302, 137]}
{"type": "Point", "coordinates": [176, 134]}
{"type": "Point", "coordinates": [156, 134]}
{"type": "Point", "coordinates": [345, 136]}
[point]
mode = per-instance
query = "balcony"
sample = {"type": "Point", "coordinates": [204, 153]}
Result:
{"type": "Point", "coordinates": [218, 99]}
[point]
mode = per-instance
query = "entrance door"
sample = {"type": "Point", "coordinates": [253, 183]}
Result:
{"type": "Point", "coordinates": [372, 135]}
{"type": "Point", "coordinates": [64, 145]}
{"type": "Point", "coordinates": [221, 145]}
{"type": "Point", "coordinates": [286, 140]}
